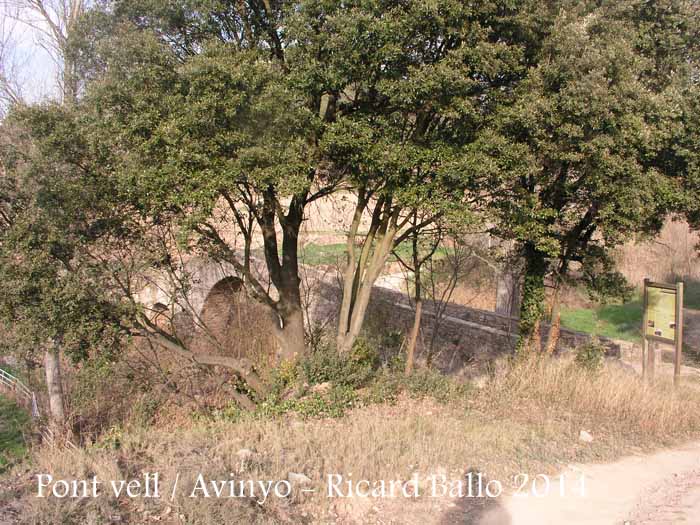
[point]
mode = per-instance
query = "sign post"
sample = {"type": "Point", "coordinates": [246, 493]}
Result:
{"type": "Point", "coordinates": [662, 322]}
{"type": "Point", "coordinates": [679, 334]}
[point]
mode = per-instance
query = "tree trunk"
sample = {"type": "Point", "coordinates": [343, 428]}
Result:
{"type": "Point", "coordinates": [52, 369]}
{"type": "Point", "coordinates": [555, 327]}
{"type": "Point", "coordinates": [349, 273]}
{"type": "Point", "coordinates": [291, 337]}
{"type": "Point", "coordinates": [365, 275]}
{"type": "Point", "coordinates": [418, 296]}
{"type": "Point", "coordinates": [532, 305]}
{"type": "Point", "coordinates": [284, 272]}
{"type": "Point", "coordinates": [411, 350]}
{"type": "Point", "coordinates": [507, 294]}
{"type": "Point", "coordinates": [535, 343]}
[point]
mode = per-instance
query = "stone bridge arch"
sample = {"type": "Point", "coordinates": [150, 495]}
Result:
{"type": "Point", "coordinates": [200, 275]}
{"type": "Point", "coordinates": [216, 316]}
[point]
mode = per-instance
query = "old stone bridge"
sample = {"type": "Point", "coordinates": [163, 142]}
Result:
{"type": "Point", "coordinates": [462, 340]}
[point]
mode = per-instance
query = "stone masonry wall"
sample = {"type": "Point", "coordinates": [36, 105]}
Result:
{"type": "Point", "coordinates": [466, 340]}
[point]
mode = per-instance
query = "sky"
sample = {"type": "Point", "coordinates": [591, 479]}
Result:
{"type": "Point", "coordinates": [37, 69]}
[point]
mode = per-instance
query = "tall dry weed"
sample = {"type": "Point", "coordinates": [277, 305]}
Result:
{"type": "Point", "coordinates": [614, 397]}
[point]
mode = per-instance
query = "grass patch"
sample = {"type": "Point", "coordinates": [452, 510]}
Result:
{"type": "Point", "coordinates": [617, 321]}
{"type": "Point", "coordinates": [691, 294]}
{"type": "Point", "coordinates": [322, 254]}
{"type": "Point", "coordinates": [13, 421]}
{"type": "Point", "coordinates": [331, 254]}
{"type": "Point", "coordinates": [621, 320]}
{"type": "Point", "coordinates": [613, 400]}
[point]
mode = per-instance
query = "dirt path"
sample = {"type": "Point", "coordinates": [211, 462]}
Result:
{"type": "Point", "coordinates": [663, 488]}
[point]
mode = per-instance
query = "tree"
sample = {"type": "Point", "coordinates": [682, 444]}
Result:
{"type": "Point", "coordinates": [215, 140]}
{"type": "Point", "coordinates": [53, 296]}
{"type": "Point", "coordinates": [424, 245]}
{"type": "Point", "coordinates": [224, 109]}
{"type": "Point", "coordinates": [53, 23]}
{"type": "Point", "coordinates": [404, 85]}
{"type": "Point", "coordinates": [574, 151]}
{"type": "Point", "coordinates": [10, 78]}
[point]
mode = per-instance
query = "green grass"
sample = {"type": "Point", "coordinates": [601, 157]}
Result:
{"type": "Point", "coordinates": [618, 321]}
{"type": "Point", "coordinates": [691, 294]}
{"type": "Point", "coordinates": [318, 254]}
{"type": "Point", "coordinates": [13, 420]}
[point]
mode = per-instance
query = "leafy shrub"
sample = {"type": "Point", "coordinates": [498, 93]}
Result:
{"type": "Point", "coordinates": [423, 382]}
{"type": "Point", "coordinates": [111, 439]}
{"type": "Point", "coordinates": [326, 364]}
{"type": "Point", "coordinates": [355, 378]}
{"type": "Point", "coordinates": [385, 388]}
{"type": "Point", "coordinates": [590, 356]}
{"type": "Point", "coordinates": [431, 383]}
{"type": "Point", "coordinates": [333, 403]}
{"type": "Point", "coordinates": [143, 410]}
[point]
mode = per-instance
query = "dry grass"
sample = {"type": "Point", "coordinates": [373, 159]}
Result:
{"type": "Point", "coordinates": [376, 443]}
{"type": "Point", "coordinates": [526, 418]}
{"type": "Point", "coordinates": [672, 254]}
{"type": "Point", "coordinates": [614, 399]}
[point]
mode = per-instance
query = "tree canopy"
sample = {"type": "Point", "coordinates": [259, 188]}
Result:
{"type": "Point", "coordinates": [566, 127]}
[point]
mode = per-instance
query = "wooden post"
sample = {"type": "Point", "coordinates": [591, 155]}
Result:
{"type": "Point", "coordinates": [652, 347]}
{"type": "Point", "coordinates": [645, 341]}
{"type": "Point", "coordinates": [679, 334]}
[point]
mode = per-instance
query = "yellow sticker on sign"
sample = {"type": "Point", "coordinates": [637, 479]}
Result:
{"type": "Point", "coordinates": [661, 313]}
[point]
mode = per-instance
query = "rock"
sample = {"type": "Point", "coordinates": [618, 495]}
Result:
{"type": "Point", "coordinates": [321, 388]}
{"type": "Point", "coordinates": [296, 478]}
{"type": "Point", "coordinates": [585, 437]}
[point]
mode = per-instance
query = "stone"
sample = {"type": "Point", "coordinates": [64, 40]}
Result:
{"type": "Point", "coordinates": [585, 437]}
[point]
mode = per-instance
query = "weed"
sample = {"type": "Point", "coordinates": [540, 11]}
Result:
{"type": "Point", "coordinates": [13, 423]}
{"type": "Point", "coordinates": [590, 356]}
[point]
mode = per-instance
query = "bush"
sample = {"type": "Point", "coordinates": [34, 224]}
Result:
{"type": "Point", "coordinates": [431, 383]}
{"type": "Point", "coordinates": [590, 356]}
{"type": "Point", "coordinates": [422, 383]}
{"type": "Point", "coordinates": [326, 364]}
{"type": "Point", "coordinates": [356, 378]}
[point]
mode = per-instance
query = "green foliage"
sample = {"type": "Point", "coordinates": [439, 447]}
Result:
{"type": "Point", "coordinates": [351, 370]}
{"type": "Point", "coordinates": [333, 403]}
{"type": "Point", "coordinates": [590, 356]}
{"type": "Point", "coordinates": [351, 380]}
{"type": "Point", "coordinates": [53, 211]}
{"type": "Point", "coordinates": [90, 379]}
{"type": "Point", "coordinates": [14, 424]}
{"type": "Point", "coordinates": [575, 159]}
{"type": "Point", "coordinates": [111, 439]}
{"type": "Point", "coordinates": [533, 296]}
{"type": "Point", "coordinates": [143, 410]}
{"type": "Point", "coordinates": [422, 383]}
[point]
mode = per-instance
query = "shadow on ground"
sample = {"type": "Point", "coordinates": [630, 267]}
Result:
{"type": "Point", "coordinates": [481, 509]}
